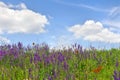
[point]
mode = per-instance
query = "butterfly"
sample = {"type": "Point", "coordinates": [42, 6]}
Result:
{"type": "Point", "coordinates": [76, 51]}
{"type": "Point", "coordinates": [97, 70]}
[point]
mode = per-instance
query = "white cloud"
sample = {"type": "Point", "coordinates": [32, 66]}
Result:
{"type": "Point", "coordinates": [19, 6]}
{"type": "Point", "coordinates": [94, 31]}
{"type": "Point", "coordinates": [113, 20]}
{"type": "Point", "coordinates": [93, 8]}
{"type": "Point", "coordinates": [3, 5]}
{"type": "Point", "coordinates": [20, 19]}
{"type": "Point", "coordinates": [115, 11]}
{"type": "Point", "coordinates": [4, 40]}
{"type": "Point", "coordinates": [112, 23]}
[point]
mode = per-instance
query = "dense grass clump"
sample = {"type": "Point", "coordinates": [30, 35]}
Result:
{"type": "Point", "coordinates": [38, 62]}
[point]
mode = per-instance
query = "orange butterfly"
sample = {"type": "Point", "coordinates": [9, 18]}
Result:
{"type": "Point", "coordinates": [98, 69]}
{"type": "Point", "coordinates": [76, 51]}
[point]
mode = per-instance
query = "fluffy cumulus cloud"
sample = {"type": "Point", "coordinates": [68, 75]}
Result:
{"type": "Point", "coordinates": [4, 40]}
{"type": "Point", "coordinates": [20, 19]}
{"type": "Point", "coordinates": [94, 31]}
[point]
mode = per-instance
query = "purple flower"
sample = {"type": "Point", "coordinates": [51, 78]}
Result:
{"type": "Point", "coordinates": [46, 47]}
{"type": "Point", "coordinates": [52, 58]}
{"type": "Point", "coordinates": [65, 65]}
{"type": "Point", "coordinates": [44, 56]}
{"type": "Point", "coordinates": [79, 47]}
{"type": "Point", "coordinates": [81, 50]}
{"type": "Point", "coordinates": [15, 55]}
{"type": "Point", "coordinates": [50, 78]}
{"type": "Point", "coordinates": [20, 45]}
{"type": "Point", "coordinates": [116, 75]}
{"type": "Point", "coordinates": [47, 60]}
{"type": "Point", "coordinates": [36, 58]}
{"type": "Point", "coordinates": [14, 52]}
{"type": "Point", "coordinates": [115, 72]}
{"type": "Point", "coordinates": [8, 46]}
{"type": "Point", "coordinates": [60, 57]}
{"type": "Point", "coordinates": [2, 53]}
{"type": "Point", "coordinates": [30, 72]}
{"type": "Point", "coordinates": [54, 73]}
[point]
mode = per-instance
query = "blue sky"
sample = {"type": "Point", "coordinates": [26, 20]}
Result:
{"type": "Point", "coordinates": [61, 22]}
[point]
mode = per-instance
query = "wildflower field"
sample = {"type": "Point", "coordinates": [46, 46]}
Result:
{"type": "Point", "coordinates": [38, 62]}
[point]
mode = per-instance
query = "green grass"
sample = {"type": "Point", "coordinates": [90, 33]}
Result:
{"type": "Point", "coordinates": [80, 66]}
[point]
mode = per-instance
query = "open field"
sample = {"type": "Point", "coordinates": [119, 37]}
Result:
{"type": "Point", "coordinates": [37, 62]}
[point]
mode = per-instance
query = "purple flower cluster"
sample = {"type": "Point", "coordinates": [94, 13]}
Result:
{"type": "Point", "coordinates": [38, 62]}
{"type": "Point", "coordinates": [37, 58]}
{"type": "Point", "coordinates": [116, 75]}
{"type": "Point", "coordinates": [11, 50]}
{"type": "Point", "coordinates": [60, 57]}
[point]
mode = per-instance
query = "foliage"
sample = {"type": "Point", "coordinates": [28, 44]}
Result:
{"type": "Point", "coordinates": [38, 62]}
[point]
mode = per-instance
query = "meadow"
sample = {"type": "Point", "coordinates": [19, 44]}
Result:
{"type": "Point", "coordinates": [39, 62]}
